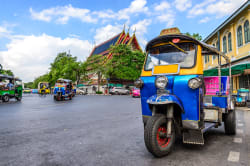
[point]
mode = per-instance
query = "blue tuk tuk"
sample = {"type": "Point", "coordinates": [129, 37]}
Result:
{"type": "Point", "coordinates": [176, 97]}
{"type": "Point", "coordinates": [63, 89]}
{"type": "Point", "coordinates": [242, 97]}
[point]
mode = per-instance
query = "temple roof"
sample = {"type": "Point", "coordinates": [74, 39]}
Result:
{"type": "Point", "coordinates": [104, 46]}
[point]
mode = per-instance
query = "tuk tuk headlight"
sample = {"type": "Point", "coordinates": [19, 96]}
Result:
{"type": "Point", "coordinates": [138, 83]}
{"type": "Point", "coordinates": [194, 83]}
{"type": "Point", "coordinates": [161, 82]}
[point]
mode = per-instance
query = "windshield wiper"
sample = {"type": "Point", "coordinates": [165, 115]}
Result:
{"type": "Point", "coordinates": [178, 48]}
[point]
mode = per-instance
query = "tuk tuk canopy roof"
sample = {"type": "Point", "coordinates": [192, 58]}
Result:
{"type": "Point", "coordinates": [9, 77]}
{"type": "Point", "coordinates": [206, 49]}
{"type": "Point", "coordinates": [235, 70]}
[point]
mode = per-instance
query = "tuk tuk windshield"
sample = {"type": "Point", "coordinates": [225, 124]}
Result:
{"type": "Point", "coordinates": [182, 53]}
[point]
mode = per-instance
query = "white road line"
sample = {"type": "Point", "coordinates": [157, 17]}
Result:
{"type": "Point", "coordinates": [239, 131]}
{"type": "Point", "coordinates": [233, 156]}
{"type": "Point", "coordinates": [240, 124]}
{"type": "Point", "coordinates": [238, 140]}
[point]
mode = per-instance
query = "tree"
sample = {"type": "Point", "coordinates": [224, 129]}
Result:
{"type": "Point", "coordinates": [43, 78]}
{"type": "Point", "coordinates": [125, 63]}
{"type": "Point", "coordinates": [29, 85]}
{"type": "Point", "coordinates": [96, 64]}
{"type": "Point", "coordinates": [6, 72]}
{"type": "Point", "coordinates": [65, 66]}
{"type": "Point", "coordinates": [197, 36]}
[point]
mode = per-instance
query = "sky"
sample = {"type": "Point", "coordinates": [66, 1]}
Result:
{"type": "Point", "coordinates": [33, 32]}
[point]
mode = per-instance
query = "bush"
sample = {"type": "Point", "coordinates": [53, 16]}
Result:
{"type": "Point", "coordinates": [98, 92]}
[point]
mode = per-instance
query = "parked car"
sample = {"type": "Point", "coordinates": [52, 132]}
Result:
{"type": "Point", "coordinates": [34, 90]}
{"type": "Point", "coordinates": [80, 91]}
{"type": "Point", "coordinates": [119, 91]}
{"type": "Point", "coordinates": [136, 92]}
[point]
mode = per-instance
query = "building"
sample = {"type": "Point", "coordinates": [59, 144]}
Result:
{"type": "Point", "coordinates": [103, 49]}
{"type": "Point", "coordinates": [233, 38]}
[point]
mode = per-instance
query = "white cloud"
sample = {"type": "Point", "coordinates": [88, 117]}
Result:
{"type": "Point", "coordinates": [4, 32]}
{"type": "Point", "coordinates": [162, 6]}
{"type": "Point", "coordinates": [164, 13]}
{"type": "Point", "coordinates": [204, 20]}
{"type": "Point", "coordinates": [141, 30]}
{"type": "Point", "coordinates": [105, 14]}
{"type": "Point", "coordinates": [219, 8]}
{"type": "Point", "coordinates": [182, 5]}
{"type": "Point", "coordinates": [136, 6]}
{"type": "Point", "coordinates": [105, 33]}
{"type": "Point", "coordinates": [62, 14]}
{"type": "Point", "coordinates": [29, 56]}
{"type": "Point", "coordinates": [167, 18]}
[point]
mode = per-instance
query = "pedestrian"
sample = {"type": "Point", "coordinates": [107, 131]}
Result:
{"type": "Point", "coordinates": [94, 89]}
{"type": "Point", "coordinates": [10, 85]}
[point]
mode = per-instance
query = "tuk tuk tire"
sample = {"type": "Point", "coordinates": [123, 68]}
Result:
{"type": "Point", "coordinates": [151, 136]}
{"type": "Point", "coordinates": [6, 98]}
{"type": "Point", "coordinates": [230, 123]}
{"type": "Point", "coordinates": [18, 98]}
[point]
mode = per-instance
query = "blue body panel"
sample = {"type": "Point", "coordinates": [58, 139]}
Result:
{"type": "Point", "coordinates": [165, 98]}
{"type": "Point", "coordinates": [219, 101]}
{"type": "Point", "coordinates": [59, 89]}
{"type": "Point", "coordinates": [179, 93]}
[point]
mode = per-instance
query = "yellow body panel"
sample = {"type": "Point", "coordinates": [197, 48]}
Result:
{"type": "Point", "coordinates": [197, 69]}
{"type": "Point", "coordinates": [168, 69]}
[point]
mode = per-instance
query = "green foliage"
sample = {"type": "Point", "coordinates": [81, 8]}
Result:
{"type": "Point", "coordinates": [125, 64]}
{"type": "Point", "coordinates": [6, 72]}
{"type": "Point", "coordinates": [98, 92]}
{"type": "Point", "coordinates": [96, 64]}
{"type": "Point", "coordinates": [197, 36]}
{"type": "Point", "coordinates": [64, 66]}
{"type": "Point", "coordinates": [43, 78]}
{"type": "Point", "coordinates": [29, 85]}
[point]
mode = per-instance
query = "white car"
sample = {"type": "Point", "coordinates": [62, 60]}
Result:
{"type": "Point", "coordinates": [119, 91]}
{"type": "Point", "coordinates": [80, 91]}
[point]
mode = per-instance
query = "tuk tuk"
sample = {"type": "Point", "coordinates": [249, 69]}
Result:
{"type": "Point", "coordinates": [43, 88]}
{"type": "Point", "coordinates": [63, 89]}
{"type": "Point", "coordinates": [176, 97]}
{"type": "Point", "coordinates": [242, 97]}
{"type": "Point", "coordinates": [10, 87]}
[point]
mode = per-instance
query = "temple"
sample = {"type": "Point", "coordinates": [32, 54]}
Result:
{"type": "Point", "coordinates": [121, 38]}
{"type": "Point", "coordinates": [103, 49]}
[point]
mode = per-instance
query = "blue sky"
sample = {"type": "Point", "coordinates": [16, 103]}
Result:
{"type": "Point", "coordinates": [33, 32]}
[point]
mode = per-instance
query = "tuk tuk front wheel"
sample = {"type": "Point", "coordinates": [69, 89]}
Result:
{"type": "Point", "coordinates": [18, 98]}
{"type": "Point", "coordinates": [6, 98]}
{"type": "Point", "coordinates": [230, 122]}
{"type": "Point", "coordinates": [155, 136]}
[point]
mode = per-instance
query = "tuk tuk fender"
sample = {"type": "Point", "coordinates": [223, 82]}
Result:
{"type": "Point", "coordinates": [165, 99]}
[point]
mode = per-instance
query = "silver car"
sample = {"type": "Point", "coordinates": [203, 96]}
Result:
{"type": "Point", "coordinates": [119, 91]}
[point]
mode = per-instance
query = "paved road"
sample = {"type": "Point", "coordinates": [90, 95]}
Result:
{"type": "Point", "coordinates": [103, 130]}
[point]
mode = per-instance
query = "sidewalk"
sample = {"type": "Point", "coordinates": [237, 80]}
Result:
{"type": "Point", "coordinates": [243, 108]}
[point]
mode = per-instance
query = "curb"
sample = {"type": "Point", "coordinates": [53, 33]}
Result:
{"type": "Point", "coordinates": [243, 108]}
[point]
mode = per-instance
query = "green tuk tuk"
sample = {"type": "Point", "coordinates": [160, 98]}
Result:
{"type": "Point", "coordinates": [10, 87]}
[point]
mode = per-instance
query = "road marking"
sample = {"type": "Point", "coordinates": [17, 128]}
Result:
{"type": "Point", "coordinates": [237, 140]}
{"type": "Point", "coordinates": [240, 124]}
{"type": "Point", "coordinates": [239, 131]}
{"type": "Point", "coordinates": [233, 156]}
